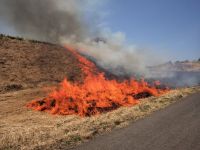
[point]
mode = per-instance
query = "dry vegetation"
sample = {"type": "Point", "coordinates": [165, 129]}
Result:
{"type": "Point", "coordinates": [24, 129]}
{"type": "Point", "coordinates": [28, 66]}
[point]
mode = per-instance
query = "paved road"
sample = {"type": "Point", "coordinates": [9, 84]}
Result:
{"type": "Point", "coordinates": [174, 128]}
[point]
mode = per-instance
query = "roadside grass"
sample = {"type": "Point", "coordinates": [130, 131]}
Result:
{"type": "Point", "coordinates": [37, 130]}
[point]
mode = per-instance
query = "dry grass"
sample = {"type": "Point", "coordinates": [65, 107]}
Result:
{"type": "Point", "coordinates": [28, 64]}
{"type": "Point", "coordinates": [25, 129]}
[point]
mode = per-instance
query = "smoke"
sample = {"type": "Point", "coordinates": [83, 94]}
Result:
{"type": "Point", "coordinates": [66, 21]}
{"type": "Point", "coordinates": [76, 22]}
{"type": "Point", "coordinates": [111, 52]}
{"type": "Point", "coordinates": [46, 20]}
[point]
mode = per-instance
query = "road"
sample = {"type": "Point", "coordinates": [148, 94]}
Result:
{"type": "Point", "coordinates": [175, 128]}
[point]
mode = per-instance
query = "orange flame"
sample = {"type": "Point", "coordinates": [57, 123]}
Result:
{"type": "Point", "coordinates": [96, 95]}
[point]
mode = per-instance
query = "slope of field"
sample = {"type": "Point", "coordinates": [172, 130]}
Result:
{"type": "Point", "coordinates": [26, 64]}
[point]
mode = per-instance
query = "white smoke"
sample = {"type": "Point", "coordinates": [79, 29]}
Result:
{"type": "Point", "coordinates": [111, 52]}
{"type": "Point", "coordinates": [79, 23]}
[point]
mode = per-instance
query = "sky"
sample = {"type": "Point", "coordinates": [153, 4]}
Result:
{"type": "Point", "coordinates": [169, 27]}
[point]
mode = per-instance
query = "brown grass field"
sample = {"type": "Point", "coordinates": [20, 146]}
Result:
{"type": "Point", "coordinates": [26, 68]}
{"type": "Point", "coordinates": [21, 128]}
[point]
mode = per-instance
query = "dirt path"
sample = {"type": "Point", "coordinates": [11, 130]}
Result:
{"type": "Point", "coordinates": [176, 127]}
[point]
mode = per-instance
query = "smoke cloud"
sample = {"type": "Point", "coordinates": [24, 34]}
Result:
{"type": "Point", "coordinates": [68, 22]}
{"type": "Point", "coordinates": [112, 53]}
{"type": "Point", "coordinates": [46, 20]}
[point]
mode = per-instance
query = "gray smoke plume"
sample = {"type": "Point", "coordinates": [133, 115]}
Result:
{"type": "Point", "coordinates": [66, 22]}
{"type": "Point", "coordinates": [46, 20]}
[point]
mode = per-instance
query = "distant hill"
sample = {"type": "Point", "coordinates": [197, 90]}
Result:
{"type": "Point", "coordinates": [186, 73]}
{"type": "Point", "coordinates": [187, 66]}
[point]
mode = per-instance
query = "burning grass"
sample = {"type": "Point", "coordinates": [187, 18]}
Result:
{"type": "Point", "coordinates": [96, 94]}
{"type": "Point", "coordinates": [21, 128]}
{"type": "Point", "coordinates": [35, 130]}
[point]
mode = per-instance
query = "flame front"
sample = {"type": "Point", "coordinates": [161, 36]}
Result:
{"type": "Point", "coordinates": [95, 95]}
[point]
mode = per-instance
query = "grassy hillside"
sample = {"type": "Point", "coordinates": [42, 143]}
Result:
{"type": "Point", "coordinates": [26, 64]}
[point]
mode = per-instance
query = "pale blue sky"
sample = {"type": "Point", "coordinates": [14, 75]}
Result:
{"type": "Point", "coordinates": [170, 27]}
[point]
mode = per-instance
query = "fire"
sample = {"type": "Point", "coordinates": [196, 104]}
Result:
{"type": "Point", "coordinates": [95, 95]}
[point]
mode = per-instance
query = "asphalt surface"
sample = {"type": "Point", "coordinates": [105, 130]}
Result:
{"type": "Point", "coordinates": [175, 128]}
